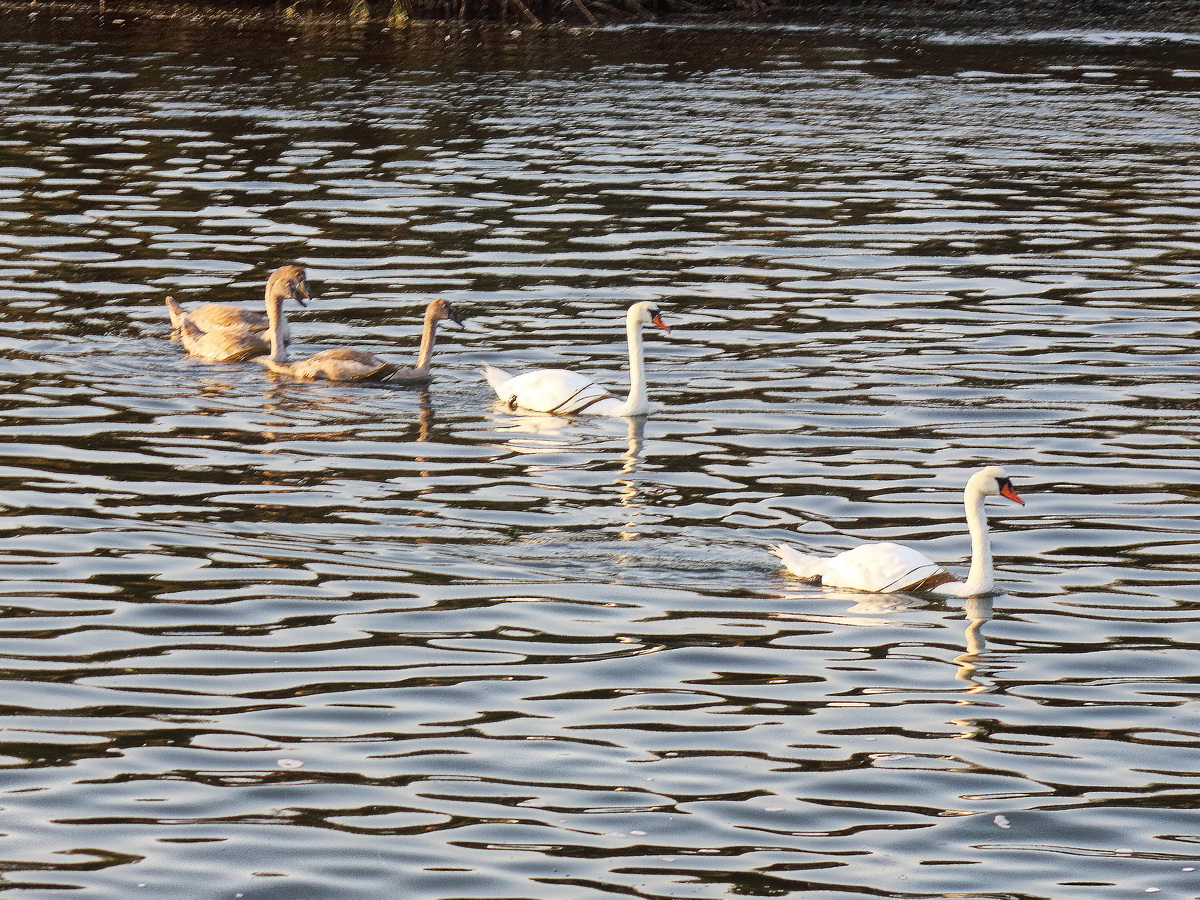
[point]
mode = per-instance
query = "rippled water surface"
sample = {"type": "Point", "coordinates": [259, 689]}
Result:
{"type": "Point", "coordinates": [268, 639]}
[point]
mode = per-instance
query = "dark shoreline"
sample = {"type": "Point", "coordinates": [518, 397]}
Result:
{"type": "Point", "coordinates": [1181, 17]}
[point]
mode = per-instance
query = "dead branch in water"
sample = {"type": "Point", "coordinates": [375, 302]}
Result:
{"type": "Point", "coordinates": [526, 12]}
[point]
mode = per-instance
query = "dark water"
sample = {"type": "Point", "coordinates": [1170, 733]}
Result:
{"type": "Point", "coordinates": [276, 640]}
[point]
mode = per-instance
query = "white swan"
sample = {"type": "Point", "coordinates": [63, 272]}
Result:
{"type": "Point", "coordinates": [564, 392]}
{"type": "Point", "coordinates": [888, 567]}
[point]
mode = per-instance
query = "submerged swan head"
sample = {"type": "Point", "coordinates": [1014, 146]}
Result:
{"type": "Point", "coordinates": [288, 282]}
{"type": "Point", "coordinates": [646, 313]}
{"type": "Point", "coordinates": [993, 482]}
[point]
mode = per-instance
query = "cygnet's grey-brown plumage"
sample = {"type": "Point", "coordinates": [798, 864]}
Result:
{"type": "Point", "coordinates": [347, 364]}
{"type": "Point", "coordinates": [226, 333]}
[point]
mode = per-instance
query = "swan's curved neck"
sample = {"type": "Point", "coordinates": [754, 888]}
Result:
{"type": "Point", "coordinates": [637, 402]}
{"type": "Point", "coordinates": [980, 577]}
{"type": "Point", "coordinates": [276, 319]}
{"type": "Point", "coordinates": [428, 336]}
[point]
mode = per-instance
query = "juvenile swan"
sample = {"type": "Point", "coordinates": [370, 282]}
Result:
{"type": "Point", "coordinates": [564, 392]}
{"type": "Point", "coordinates": [231, 341]}
{"type": "Point", "coordinates": [221, 317]}
{"type": "Point", "coordinates": [345, 364]}
{"type": "Point", "coordinates": [892, 568]}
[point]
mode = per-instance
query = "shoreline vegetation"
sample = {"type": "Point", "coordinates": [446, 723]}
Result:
{"type": "Point", "coordinates": [1180, 16]}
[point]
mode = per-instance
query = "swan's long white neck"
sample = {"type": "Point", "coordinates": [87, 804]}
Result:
{"type": "Point", "coordinates": [980, 577]}
{"type": "Point", "coordinates": [636, 403]}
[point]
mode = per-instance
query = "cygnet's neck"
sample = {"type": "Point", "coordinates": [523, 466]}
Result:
{"type": "Point", "coordinates": [278, 324]}
{"type": "Point", "coordinates": [428, 337]}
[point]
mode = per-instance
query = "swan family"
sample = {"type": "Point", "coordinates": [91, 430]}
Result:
{"type": "Point", "coordinates": [224, 332]}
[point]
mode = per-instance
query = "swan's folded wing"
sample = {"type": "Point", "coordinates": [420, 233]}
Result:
{"type": "Point", "coordinates": [880, 568]}
{"type": "Point", "coordinates": [226, 317]}
{"type": "Point", "coordinates": [552, 391]}
{"type": "Point", "coordinates": [221, 346]}
{"type": "Point", "coordinates": [407, 375]}
{"type": "Point", "coordinates": [344, 364]}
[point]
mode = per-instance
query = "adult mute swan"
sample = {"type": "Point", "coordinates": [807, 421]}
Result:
{"type": "Point", "coordinates": [564, 392]}
{"type": "Point", "coordinates": [226, 316]}
{"type": "Point", "coordinates": [346, 364]}
{"type": "Point", "coordinates": [235, 342]}
{"type": "Point", "coordinates": [892, 568]}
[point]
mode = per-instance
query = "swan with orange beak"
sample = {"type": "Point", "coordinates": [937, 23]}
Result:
{"type": "Point", "coordinates": [895, 568]}
{"type": "Point", "coordinates": [563, 392]}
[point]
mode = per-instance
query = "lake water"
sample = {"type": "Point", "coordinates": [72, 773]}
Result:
{"type": "Point", "coordinates": [265, 639]}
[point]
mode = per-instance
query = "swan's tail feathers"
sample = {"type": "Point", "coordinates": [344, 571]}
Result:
{"type": "Point", "coordinates": [810, 568]}
{"type": "Point", "coordinates": [175, 311]}
{"type": "Point", "coordinates": [496, 377]}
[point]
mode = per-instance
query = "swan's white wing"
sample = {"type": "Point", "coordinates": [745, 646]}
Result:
{"type": "Point", "coordinates": [551, 391]}
{"type": "Point", "coordinates": [880, 568]}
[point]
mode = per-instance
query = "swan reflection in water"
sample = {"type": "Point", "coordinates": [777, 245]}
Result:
{"type": "Point", "coordinates": [978, 610]}
{"type": "Point", "coordinates": [867, 611]}
{"type": "Point", "coordinates": [215, 387]}
{"type": "Point", "coordinates": [523, 422]}
{"type": "Point", "coordinates": [533, 433]}
{"type": "Point", "coordinates": [312, 415]}
{"type": "Point", "coordinates": [627, 485]}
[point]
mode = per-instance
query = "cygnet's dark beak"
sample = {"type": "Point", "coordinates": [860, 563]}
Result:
{"type": "Point", "coordinates": [457, 318]}
{"type": "Point", "coordinates": [300, 293]}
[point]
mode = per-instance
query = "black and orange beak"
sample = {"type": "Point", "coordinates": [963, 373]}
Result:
{"type": "Point", "coordinates": [1007, 490]}
{"type": "Point", "coordinates": [657, 319]}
